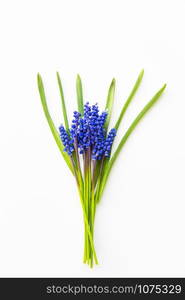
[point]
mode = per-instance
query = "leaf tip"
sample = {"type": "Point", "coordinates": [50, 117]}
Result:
{"type": "Point", "coordinates": [78, 77]}
{"type": "Point", "coordinates": [141, 73]}
{"type": "Point", "coordinates": [163, 88]}
{"type": "Point", "coordinates": [113, 81]}
{"type": "Point", "coordinates": [58, 76]}
{"type": "Point", "coordinates": [39, 79]}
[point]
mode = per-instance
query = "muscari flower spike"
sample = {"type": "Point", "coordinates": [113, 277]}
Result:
{"type": "Point", "coordinates": [88, 143]}
{"type": "Point", "coordinates": [66, 140]}
{"type": "Point", "coordinates": [89, 132]}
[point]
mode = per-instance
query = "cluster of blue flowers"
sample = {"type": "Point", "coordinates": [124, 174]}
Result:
{"type": "Point", "coordinates": [88, 132]}
{"type": "Point", "coordinates": [66, 140]}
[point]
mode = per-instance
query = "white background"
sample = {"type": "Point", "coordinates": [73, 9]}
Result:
{"type": "Point", "coordinates": [140, 221]}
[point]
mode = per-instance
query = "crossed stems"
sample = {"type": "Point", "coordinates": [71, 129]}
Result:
{"type": "Point", "coordinates": [88, 187]}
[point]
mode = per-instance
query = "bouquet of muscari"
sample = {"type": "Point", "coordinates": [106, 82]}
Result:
{"type": "Point", "coordinates": [86, 148]}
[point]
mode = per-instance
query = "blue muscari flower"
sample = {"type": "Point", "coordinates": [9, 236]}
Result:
{"type": "Point", "coordinates": [84, 130]}
{"type": "Point", "coordinates": [89, 132]}
{"type": "Point", "coordinates": [75, 124]}
{"type": "Point", "coordinates": [66, 140]}
{"type": "Point", "coordinates": [99, 137]}
{"type": "Point", "coordinates": [87, 110]}
{"type": "Point", "coordinates": [109, 141]}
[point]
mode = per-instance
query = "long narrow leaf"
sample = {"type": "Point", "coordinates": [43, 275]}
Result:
{"type": "Point", "coordinates": [79, 92]}
{"type": "Point", "coordinates": [50, 122]}
{"type": "Point", "coordinates": [127, 134]}
{"type": "Point", "coordinates": [124, 109]}
{"type": "Point", "coordinates": [108, 108]}
{"type": "Point", "coordinates": [63, 102]}
{"type": "Point", "coordinates": [130, 98]}
{"type": "Point", "coordinates": [110, 102]}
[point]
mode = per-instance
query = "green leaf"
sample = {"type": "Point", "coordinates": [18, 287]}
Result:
{"type": "Point", "coordinates": [79, 92]}
{"type": "Point", "coordinates": [128, 101]}
{"type": "Point", "coordinates": [51, 124]}
{"type": "Point", "coordinates": [125, 137]}
{"type": "Point", "coordinates": [63, 103]}
{"type": "Point", "coordinates": [110, 102]}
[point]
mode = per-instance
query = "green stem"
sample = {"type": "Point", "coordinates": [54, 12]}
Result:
{"type": "Point", "coordinates": [102, 167]}
{"type": "Point", "coordinates": [78, 160]}
{"type": "Point", "coordinates": [86, 204]}
{"type": "Point", "coordinates": [86, 221]}
{"type": "Point", "coordinates": [93, 194]}
{"type": "Point", "coordinates": [90, 203]}
{"type": "Point", "coordinates": [88, 228]}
